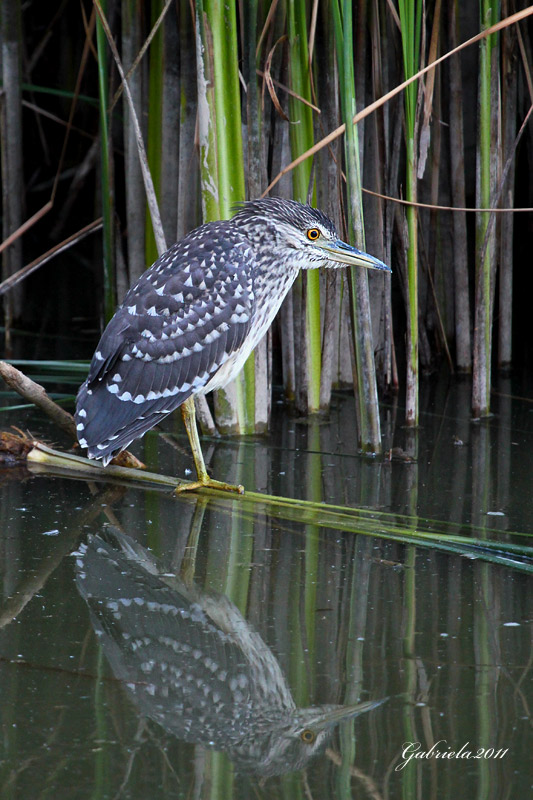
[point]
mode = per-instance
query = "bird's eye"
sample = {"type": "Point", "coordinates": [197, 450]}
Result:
{"type": "Point", "coordinates": [313, 234]}
{"type": "Point", "coordinates": [308, 736]}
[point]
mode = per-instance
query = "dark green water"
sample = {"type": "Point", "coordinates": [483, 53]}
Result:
{"type": "Point", "coordinates": [124, 655]}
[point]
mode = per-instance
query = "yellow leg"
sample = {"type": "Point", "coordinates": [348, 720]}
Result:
{"type": "Point", "coordinates": [204, 481]}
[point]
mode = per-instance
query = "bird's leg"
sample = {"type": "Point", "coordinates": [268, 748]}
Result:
{"type": "Point", "coordinates": [204, 481]}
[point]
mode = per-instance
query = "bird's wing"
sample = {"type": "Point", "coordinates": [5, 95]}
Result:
{"type": "Point", "coordinates": [177, 326]}
{"type": "Point", "coordinates": [180, 668]}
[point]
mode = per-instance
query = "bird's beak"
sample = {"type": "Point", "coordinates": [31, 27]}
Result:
{"type": "Point", "coordinates": [327, 716]}
{"type": "Point", "coordinates": [346, 254]}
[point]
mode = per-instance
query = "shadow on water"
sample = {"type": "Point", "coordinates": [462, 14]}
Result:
{"type": "Point", "coordinates": [198, 648]}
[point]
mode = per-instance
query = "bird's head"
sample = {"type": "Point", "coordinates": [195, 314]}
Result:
{"type": "Point", "coordinates": [287, 744]}
{"type": "Point", "coordinates": [304, 234]}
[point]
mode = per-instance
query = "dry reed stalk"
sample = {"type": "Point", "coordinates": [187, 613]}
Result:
{"type": "Point", "coordinates": [11, 146]}
{"type": "Point", "coordinates": [134, 189]}
{"type": "Point", "coordinates": [509, 109]}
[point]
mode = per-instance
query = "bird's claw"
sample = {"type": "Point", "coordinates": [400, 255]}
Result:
{"type": "Point", "coordinates": [208, 483]}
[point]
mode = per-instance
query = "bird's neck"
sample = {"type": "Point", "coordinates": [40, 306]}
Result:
{"type": "Point", "coordinates": [270, 290]}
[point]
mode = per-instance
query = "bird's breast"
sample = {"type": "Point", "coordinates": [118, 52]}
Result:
{"type": "Point", "coordinates": [270, 291]}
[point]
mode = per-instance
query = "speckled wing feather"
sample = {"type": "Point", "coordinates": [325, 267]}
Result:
{"type": "Point", "coordinates": [181, 668]}
{"type": "Point", "coordinates": [176, 327]}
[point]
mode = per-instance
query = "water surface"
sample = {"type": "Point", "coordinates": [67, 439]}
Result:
{"type": "Point", "coordinates": [154, 646]}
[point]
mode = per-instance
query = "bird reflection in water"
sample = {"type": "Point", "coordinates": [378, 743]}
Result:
{"type": "Point", "coordinates": [193, 664]}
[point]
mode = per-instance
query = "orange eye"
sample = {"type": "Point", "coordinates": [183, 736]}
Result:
{"type": "Point", "coordinates": [308, 736]}
{"type": "Point", "coordinates": [313, 234]}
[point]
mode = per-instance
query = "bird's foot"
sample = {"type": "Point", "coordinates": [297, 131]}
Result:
{"type": "Point", "coordinates": [208, 483]}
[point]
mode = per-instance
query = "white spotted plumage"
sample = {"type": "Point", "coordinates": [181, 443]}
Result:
{"type": "Point", "coordinates": [190, 322]}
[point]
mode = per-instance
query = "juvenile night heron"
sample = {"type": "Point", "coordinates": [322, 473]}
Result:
{"type": "Point", "coordinates": [190, 322]}
{"type": "Point", "coordinates": [190, 661]}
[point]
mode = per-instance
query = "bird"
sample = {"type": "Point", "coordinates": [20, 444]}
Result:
{"type": "Point", "coordinates": [190, 662]}
{"type": "Point", "coordinates": [187, 326]}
